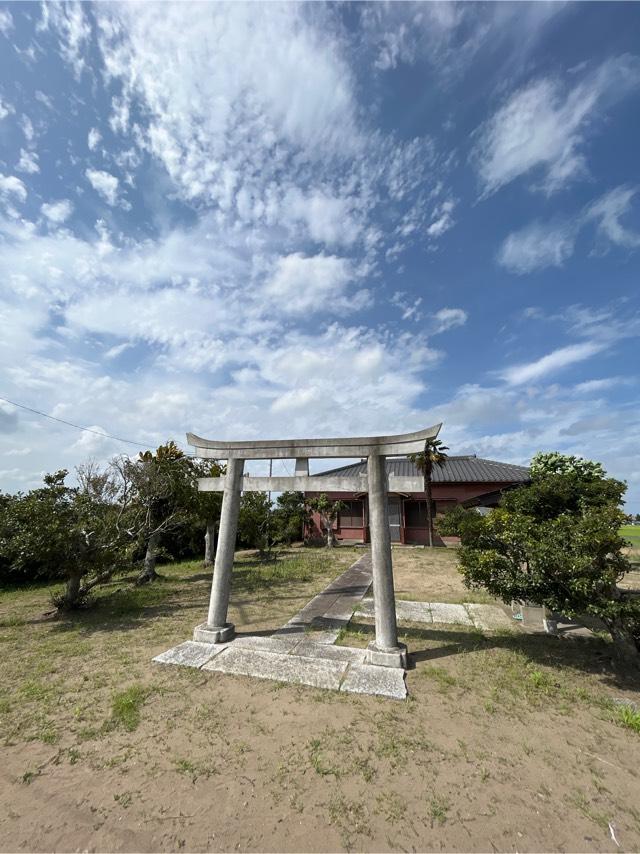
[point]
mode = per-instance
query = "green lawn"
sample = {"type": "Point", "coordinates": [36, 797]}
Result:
{"type": "Point", "coordinates": [632, 534]}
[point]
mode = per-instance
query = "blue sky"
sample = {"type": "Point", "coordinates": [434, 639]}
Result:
{"type": "Point", "coordinates": [282, 220]}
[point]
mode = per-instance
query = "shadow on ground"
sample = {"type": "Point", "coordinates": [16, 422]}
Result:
{"type": "Point", "coordinates": [585, 654]}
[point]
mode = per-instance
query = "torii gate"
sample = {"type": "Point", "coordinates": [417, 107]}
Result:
{"type": "Point", "coordinates": [385, 650]}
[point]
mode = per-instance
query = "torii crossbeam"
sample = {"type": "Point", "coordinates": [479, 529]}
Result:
{"type": "Point", "coordinates": [385, 650]}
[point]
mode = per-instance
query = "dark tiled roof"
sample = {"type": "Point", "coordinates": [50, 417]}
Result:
{"type": "Point", "coordinates": [468, 469]}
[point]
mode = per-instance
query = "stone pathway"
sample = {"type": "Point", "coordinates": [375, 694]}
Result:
{"type": "Point", "coordinates": [485, 617]}
{"type": "Point", "coordinates": [303, 650]}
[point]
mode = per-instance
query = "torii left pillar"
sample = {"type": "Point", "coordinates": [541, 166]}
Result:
{"type": "Point", "coordinates": [217, 629]}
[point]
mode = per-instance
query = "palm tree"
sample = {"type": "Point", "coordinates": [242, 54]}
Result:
{"type": "Point", "coordinates": [433, 455]}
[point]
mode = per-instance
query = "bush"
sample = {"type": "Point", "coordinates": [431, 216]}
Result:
{"type": "Point", "coordinates": [556, 543]}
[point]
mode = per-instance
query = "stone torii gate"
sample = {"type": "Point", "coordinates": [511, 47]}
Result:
{"type": "Point", "coordinates": [385, 650]}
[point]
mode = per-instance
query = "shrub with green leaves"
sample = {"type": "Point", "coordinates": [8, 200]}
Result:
{"type": "Point", "coordinates": [556, 542]}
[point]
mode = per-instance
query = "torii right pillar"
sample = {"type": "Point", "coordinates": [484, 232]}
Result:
{"type": "Point", "coordinates": [385, 650]}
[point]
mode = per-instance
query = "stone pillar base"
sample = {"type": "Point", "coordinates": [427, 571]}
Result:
{"type": "Point", "coordinates": [214, 634]}
{"type": "Point", "coordinates": [394, 657]}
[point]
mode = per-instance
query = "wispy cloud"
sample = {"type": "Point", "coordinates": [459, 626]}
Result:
{"type": "Point", "coordinates": [541, 130]}
{"type": "Point", "coordinates": [551, 363]}
{"type": "Point", "coordinates": [551, 244]}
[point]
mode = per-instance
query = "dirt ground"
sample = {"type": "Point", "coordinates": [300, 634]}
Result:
{"type": "Point", "coordinates": [508, 742]}
{"type": "Point", "coordinates": [430, 576]}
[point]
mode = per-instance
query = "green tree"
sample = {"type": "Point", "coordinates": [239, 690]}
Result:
{"type": "Point", "coordinates": [164, 498]}
{"type": "Point", "coordinates": [553, 462]}
{"type": "Point", "coordinates": [433, 455]}
{"type": "Point", "coordinates": [254, 522]}
{"type": "Point", "coordinates": [290, 517]}
{"type": "Point", "coordinates": [556, 543]}
{"type": "Point", "coordinates": [70, 533]}
{"type": "Point", "coordinates": [328, 511]}
{"type": "Point", "coordinates": [208, 506]}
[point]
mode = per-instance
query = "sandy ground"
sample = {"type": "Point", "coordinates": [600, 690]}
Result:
{"type": "Point", "coordinates": [429, 575]}
{"type": "Point", "coordinates": [507, 742]}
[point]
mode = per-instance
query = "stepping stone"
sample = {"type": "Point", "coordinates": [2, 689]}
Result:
{"type": "Point", "coordinates": [443, 612]}
{"type": "Point", "coordinates": [380, 681]}
{"type": "Point", "coordinates": [282, 668]}
{"type": "Point", "coordinates": [331, 653]}
{"type": "Point", "coordinates": [489, 617]}
{"type": "Point", "coordinates": [190, 654]}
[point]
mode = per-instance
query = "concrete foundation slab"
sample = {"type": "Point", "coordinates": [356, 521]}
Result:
{"type": "Point", "coordinates": [380, 681]}
{"type": "Point", "coordinates": [489, 617]}
{"type": "Point", "coordinates": [383, 657]}
{"type": "Point", "coordinates": [190, 654]}
{"type": "Point", "coordinates": [329, 652]}
{"type": "Point", "coordinates": [443, 612]}
{"type": "Point", "coordinates": [414, 612]}
{"type": "Point", "coordinates": [282, 643]}
{"type": "Point", "coordinates": [214, 634]}
{"type": "Point", "coordinates": [280, 667]}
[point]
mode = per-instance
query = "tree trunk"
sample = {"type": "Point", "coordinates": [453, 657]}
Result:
{"type": "Point", "coordinates": [210, 544]}
{"type": "Point", "coordinates": [149, 567]}
{"type": "Point", "coordinates": [329, 526]}
{"type": "Point", "coordinates": [427, 489]}
{"type": "Point", "coordinates": [625, 645]}
{"type": "Point", "coordinates": [71, 591]}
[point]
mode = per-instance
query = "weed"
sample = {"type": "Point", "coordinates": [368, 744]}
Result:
{"type": "Point", "coordinates": [124, 799]}
{"type": "Point", "coordinates": [391, 806]}
{"type": "Point", "coordinates": [627, 716]}
{"type": "Point", "coordinates": [318, 762]}
{"type": "Point", "coordinates": [125, 707]}
{"type": "Point", "coordinates": [29, 776]}
{"type": "Point", "coordinates": [194, 769]}
{"type": "Point", "coordinates": [441, 676]}
{"type": "Point", "coordinates": [349, 818]}
{"type": "Point", "coordinates": [579, 800]}
{"type": "Point", "coordinates": [438, 809]}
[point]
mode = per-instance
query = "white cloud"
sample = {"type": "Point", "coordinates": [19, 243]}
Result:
{"type": "Point", "coordinates": [543, 126]}
{"type": "Point", "coordinates": [329, 218]}
{"type": "Point", "coordinates": [302, 284]}
{"type": "Point", "coordinates": [27, 128]}
{"type": "Point", "coordinates": [105, 184]}
{"type": "Point", "coordinates": [93, 139]}
{"type": "Point", "coordinates": [555, 361]}
{"type": "Point", "coordinates": [550, 244]}
{"type": "Point", "coordinates": [73, 30]}
{"type": "Point", "coordinates": [6, 21]}
{"type": "Point", "coordinates": [442, 219]}
{"type": "Point", "coordinates": [5, 109]}
{"type": "Point", "coordinates": [449, 318]}
{"type": "Point", "coordinates": [28, 162]}
{"type": "Point", "coordinates": [10, 186]}
{"type": "Point", "coordinates": [607, 213]}
{"type": "Point", "coordinates": [538, 245]}
{"type": "Point", "coordinates": [57, 211]}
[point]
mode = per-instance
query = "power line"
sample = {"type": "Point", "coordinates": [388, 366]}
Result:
{"type": "Point", "coordinates": [77, 426]}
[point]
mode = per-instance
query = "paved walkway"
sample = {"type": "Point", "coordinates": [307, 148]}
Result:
{"type": "Point", "coordinates": [485, 617]}
{"type": "Point", "coordinates": [303, 650]}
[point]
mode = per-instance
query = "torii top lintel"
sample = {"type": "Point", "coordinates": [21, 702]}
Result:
{"type": "Point", "coordinates": [361, 446]}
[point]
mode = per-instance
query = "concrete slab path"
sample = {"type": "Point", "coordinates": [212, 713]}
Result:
{"type": "Point", "coordinates": [485, 617]}
{"type": "Point", "coordinates": [303, 651]}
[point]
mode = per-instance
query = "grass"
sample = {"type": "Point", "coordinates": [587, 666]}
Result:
{"type": "Point", "coordinates": [632, 534]}
{"type": "Point", "coordinates": [628, 717]}
{"type": "Point", "coordinates": [126, 705]}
